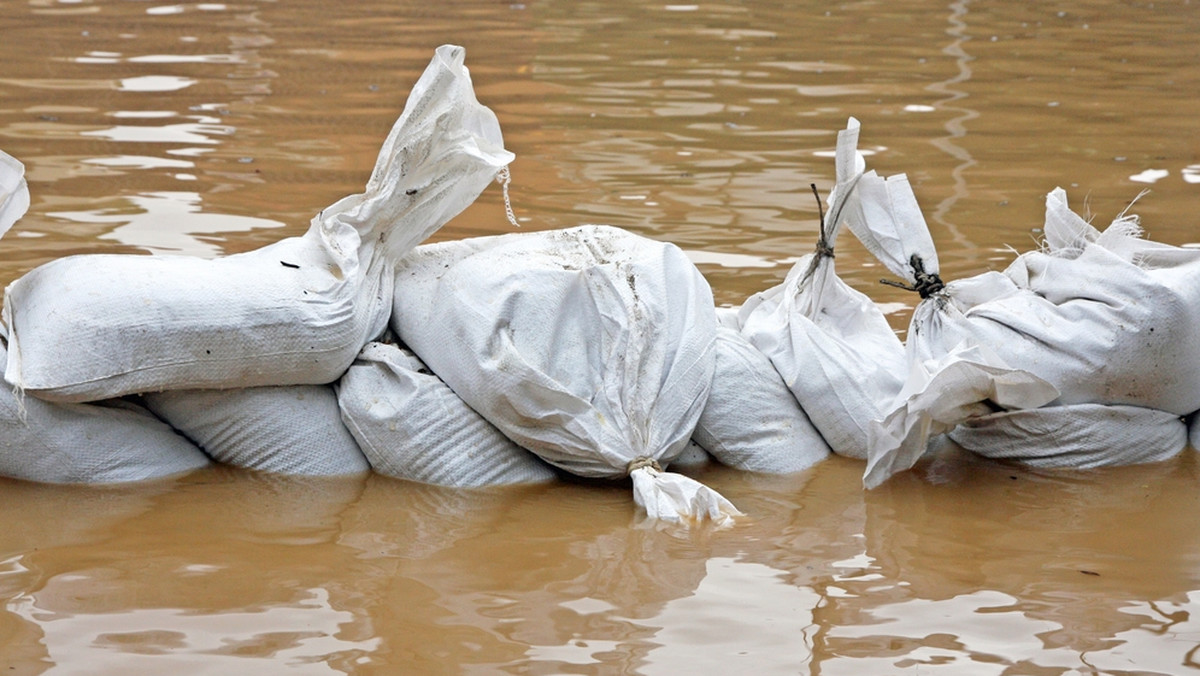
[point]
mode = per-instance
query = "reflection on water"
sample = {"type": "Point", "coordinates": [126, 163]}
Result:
{"type": "Point", "coordinates": [210, 128]}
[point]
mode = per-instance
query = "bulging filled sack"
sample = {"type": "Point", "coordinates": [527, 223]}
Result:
{"type": "Point", "coordinates": [411, 425]}
{"type": "Point", "coordinates": [293, 429]}
{"type": "Point", "coordinates": [830, 343]}
{"type": "Point", "coordinates": [751, 421]}
{"type": "Point", "coordinates": [591, 347]}
{"type": "Point", "coordinates": [111, 441]}
{"type": "Point", "coordinates": [1074, 436]}
{"type": "Point", "coordinates": [294, 312]}
{"type": "Point", "coordinates": [1094, 318]}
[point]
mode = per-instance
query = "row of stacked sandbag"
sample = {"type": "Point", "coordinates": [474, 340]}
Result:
{"type": "Point", "coordinates": [590, 349]}
{"type": "Point", "coordinates": [1078, 355]}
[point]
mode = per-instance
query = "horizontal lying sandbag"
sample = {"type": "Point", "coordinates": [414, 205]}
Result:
{"type": "Point", "coordinates": [1078, 436]}
{"type": "Point", "coordinates": [751, 421]}
{"type": "Point", "coordinates": [295, 429]}
{"type": "Point", "coordinates": [692, 457]}
{"type": "Point", "coordinates": [294, 312]}
{"type": "Point", "coordinates": [411, 425]}
{"type": "Point", "coordinates": [111, 441]}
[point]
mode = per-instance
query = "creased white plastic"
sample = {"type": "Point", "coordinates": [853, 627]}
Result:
{"type": "Point", "coordinates": [1075, 436]}
{"type": "Point", "coordinates": [830, 343]}
{"type": "Point", "coordinates": [293, 312]}
{"type": "Point", "coordinates": [591, 346]}
{"type": "Point", "coordinates": [883, 214]}
{"type": "Point", "coordinates": [1102, 317]}
{"type": "Point", "coordinates": [938, 395]}
{"type": "Point", "coordinates": [14, 191]}
{"type": "Point", "coordinates": [751, 421]}
{"type": "Point", "coordinates": [411, 425]}
{"type": "Point", "coordinates": [675, 498]}
{"type": "Point", "coordinates": [294, 429]}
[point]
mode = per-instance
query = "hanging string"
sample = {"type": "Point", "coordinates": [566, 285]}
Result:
{"type": "Point", "coordinates": [504, 178]}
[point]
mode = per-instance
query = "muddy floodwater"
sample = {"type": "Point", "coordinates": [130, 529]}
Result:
{"type": "Point", "coordinates": [212, 128]}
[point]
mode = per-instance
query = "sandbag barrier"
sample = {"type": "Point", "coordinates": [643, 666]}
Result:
{"type": "Point", "coordinates": [590, 351]}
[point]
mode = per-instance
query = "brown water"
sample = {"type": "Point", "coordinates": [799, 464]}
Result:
{"type": "Point", "coordinates": [215, 128]}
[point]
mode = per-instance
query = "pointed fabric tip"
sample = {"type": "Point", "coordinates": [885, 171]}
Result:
{"type": "Point", "coordinates": [14, 191]}
{"type": "Point", "coordinates": [444, 149]}
{"type": "Point", "coordinates": [674, 498]}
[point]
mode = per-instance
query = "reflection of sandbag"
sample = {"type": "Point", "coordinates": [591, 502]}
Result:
{"type": "Point", "coordinates": [411, 425]}
{"type": "Point", "coordinates": [751, 421]}
{"type": "Point", "coordinates": [1076, 436]}
{"type": "Point", "coordinates": [106, 442]}
{"type": "Point", "coordinates": [293, 429]}
{"type": "Point", "coordinates": [293, 312]}
{"type": "Point", "coordinates": [1102, 318]}
{"type": "Point", "coordinates": [591, 346]}
{"type": "Point", "coordinates": [830, 343]}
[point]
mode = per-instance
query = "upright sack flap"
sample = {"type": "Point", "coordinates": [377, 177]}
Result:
{"type": "Point", "coordinates": [831, 344]}
{"type": "Point", "coordinates": [294, 312]}
{"type": "Point", "coordinates": [1074, 436]}
{"type": "Point", "coordinates": [411, 425]}
{"type": "Point", "coordinates": [14, 191]}
{"type": "Point", "coordinates": [591, 347]}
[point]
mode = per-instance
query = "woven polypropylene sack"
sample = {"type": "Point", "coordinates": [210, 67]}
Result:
{"type": "Point", "coordinates": [107, 442]}
{"type": "Point", "coordinates": [751, 421]}
{"type": "Point", "coordinates": [1076, 436]}
{"type": "Point", "coordinates": [411, 425]}
{"type": "Point", "coordinates": [294, 312]}
{"type": "Point", "coordinates": [592, 347]}
{"type": "Point", "coordinates": [1095, 318]}
{"type": "Point", "coordinates": [830, 343]}
{"type": "Point", "coordinates": [295, 429]}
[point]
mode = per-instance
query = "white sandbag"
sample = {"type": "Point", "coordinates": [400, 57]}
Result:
{"type": "Point", "coordinates": [831, 344]}
{"type": "Point", "coordinates": [692, 457]}
{"type": "Point", "coordinates": [411, 425]}
{"type": "Point", "coordinates": [1099, 318]}
{"type": "Point", "coordinates": [592, 347]}
{"type": "Point", "coordinates": [14, 192]}
{"type": "Point", "coordinates": [294, 429]}
{"type": "Point", "coordinates": [751, 421]}
{"type": "Point", "coordinates": [110, 441]}
{"type": "Point", "coordinates": [1076, 436]}
{"type": "Point", "coordinates": [1194, 431]}
{"type": "Point", "coordinates": [294, 312]}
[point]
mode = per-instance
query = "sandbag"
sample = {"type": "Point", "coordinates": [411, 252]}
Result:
{"type": "Point", "coordinates": [1076, 436]}
{"type": "Point", "coordinates": [14, 191]}
{"type": "Point", "coordinates": [831, 344]}
{"type": "Point", "coordinates": [1097, 318]}
{"type": "Point", "coordinates": [591, 347]}
{"type": "Point", "coordinates": [111, 441]}
{"type": "Point", "coordinates": [1194, 431]}
{"type": "Point", "coordinates": [294, 312]}
{"type": "Point", "coordinates": [751, 421]}
{"type": "Point", "coordinates": [411, 425]}
{"type": "Point", "coordinates": [294, 429]}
